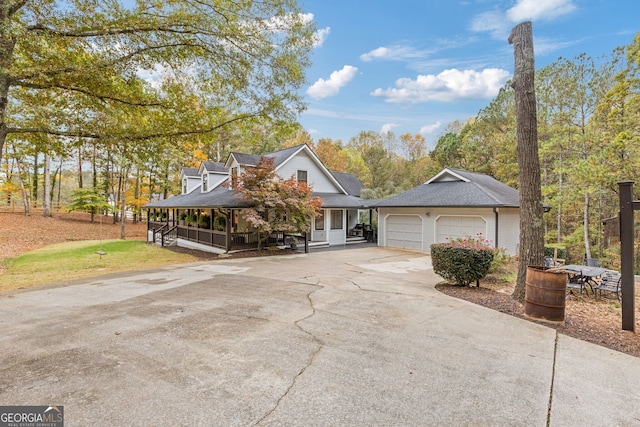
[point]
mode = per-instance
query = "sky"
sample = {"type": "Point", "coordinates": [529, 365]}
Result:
{"type": "Point", "coordinates": [413, 66]}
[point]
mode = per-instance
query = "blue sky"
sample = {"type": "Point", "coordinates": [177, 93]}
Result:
{"type": "Point", "coordinates": [412, 66]}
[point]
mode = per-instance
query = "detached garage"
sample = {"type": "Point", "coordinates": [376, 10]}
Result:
{"type": "Point", "coordinates": [453, 204]}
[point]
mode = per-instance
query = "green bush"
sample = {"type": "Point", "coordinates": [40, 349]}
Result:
{"type": "Point", "coordinates": [461, 262]}
{"type": "Point", "coordinates": [550, 250]}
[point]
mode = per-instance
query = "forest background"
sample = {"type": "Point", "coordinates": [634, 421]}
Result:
{"type": "Point", "coordinates": [76, 115]}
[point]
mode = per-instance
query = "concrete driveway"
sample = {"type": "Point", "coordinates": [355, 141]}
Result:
{"type": "Point", "coordinates": [347, 338]}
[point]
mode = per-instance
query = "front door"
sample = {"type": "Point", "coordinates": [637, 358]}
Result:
{"type": "Point", "coordinates": [318, 228]}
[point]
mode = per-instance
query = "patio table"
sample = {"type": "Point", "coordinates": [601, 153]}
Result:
{"type": "Point", "coordinates": [583, 275]}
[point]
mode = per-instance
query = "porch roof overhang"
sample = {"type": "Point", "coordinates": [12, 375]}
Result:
{"type": "Point", "coordinates": [345, 201]}
{"type": "Point", "coordinates": [220, 197]}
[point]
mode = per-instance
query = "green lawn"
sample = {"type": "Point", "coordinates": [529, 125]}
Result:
{"type": "Point", "coordinates": [74, 260]}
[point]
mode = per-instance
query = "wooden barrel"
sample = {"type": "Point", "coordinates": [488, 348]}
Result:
{"type": "Point", "coordinates": [545, 294]}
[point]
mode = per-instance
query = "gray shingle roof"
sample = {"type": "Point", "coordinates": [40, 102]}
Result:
{"type": "Point", "coordinates": [220, 197]}
{"type": "Point", "coordinates": [277, 156]}
{"type": "Point", "coordinates": [190, 172]}
{"type": "Point", "coordinates": [223, 197]}
{"type": "Point", "coordinates": [215, 167]}
{"type": "Point", "coordinates": [335, 200]}
{"type": "Point", "coordinates": [481, 191]}
{"type": "Point", "coordinates": [349, 182]}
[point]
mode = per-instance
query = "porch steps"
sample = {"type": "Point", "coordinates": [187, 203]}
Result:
{"type": "Point", "coordinates": [355, 240]}
{"type": "Point", "coordinates": [350, 241]}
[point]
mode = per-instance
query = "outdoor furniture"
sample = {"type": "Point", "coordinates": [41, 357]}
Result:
{"type": "Point", "coordinates": [581, 276]}
{"type": "Point", "coordinates": [357, 230]}
{"type": "Point", "coordinates": [593, 262]}
{"type": "Point", "coordinates": [610, 282]}
{"type": "Point", "coordinates": [549, 262]}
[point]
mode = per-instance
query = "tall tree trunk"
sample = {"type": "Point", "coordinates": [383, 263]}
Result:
{"type": "Point", "coordinates": [587, 243]}
{"type": "Point", "coordinates": [7, 43]}
{"type": "Point", "coordinates": [59, 182]}
{"type": "Point", "coordinates": [25, 196]}
{"type": "Point", "coordinates": [124, 172]}
{"type": "Point", "coordinates": [559, 213]}
{"type": "Point", "coordinates": [80, 166]}
{"type": "Point", "coordinates": [34, 186]}
{"type": "Point", "coordinates": [531, 221]}
{"type": "Point", "coordinates": [46, 199]}
{"type": "Point", "coordinates": [137, 195]}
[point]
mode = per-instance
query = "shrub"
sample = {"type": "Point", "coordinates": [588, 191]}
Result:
{"type": "Point", "coordinates": [463, 262]}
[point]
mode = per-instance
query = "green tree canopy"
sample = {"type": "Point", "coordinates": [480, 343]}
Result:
{"type": "Point", "coordinates": [215, 62]}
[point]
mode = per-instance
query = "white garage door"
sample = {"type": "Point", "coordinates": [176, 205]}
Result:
{"type": "Point", "coordinates": [453, 227]}
{"type": "Point", "coordinates": [404, 231]}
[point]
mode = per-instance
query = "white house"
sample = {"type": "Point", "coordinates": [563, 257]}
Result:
{"type": "Point", "coordinates": [207, 215]}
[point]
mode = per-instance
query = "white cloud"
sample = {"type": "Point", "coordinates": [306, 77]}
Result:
{"type": "Point", "coordinates": [540, 9]}
{"type": "Point", "coordinates": [449, 85]}
{"type": "Point", "coordinates": [405, 53]}
{"type": "Point", "coordinates": [499, 23]}
{"type": "Point", "coordinates": [429, 129]}
{"type": "Point", "coordinates": [320, 36]}
{"type": "Point", "coordinates": [338, 79]}
{"type": "Point", "coordinates": [388, 127]}
{"type": "Point", "coordinates": [492, 22]}
{"type": "Point", "coordinates": [380, 52]}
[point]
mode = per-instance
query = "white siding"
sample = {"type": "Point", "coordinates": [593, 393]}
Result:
{"type": "Point", "coordinates": [316, 176]}
{"type": "Point", "coordinates": [337, 236]}
{"type": "Point", "coordinates": [508, 226]}
{"type": "Point", "coordinates": [192, 183]}
{"type": "Point", "coordinates": [509, 231]}
{"type": "Point", "coordinates": [215, 179]}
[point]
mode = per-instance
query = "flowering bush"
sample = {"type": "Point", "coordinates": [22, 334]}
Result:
{"type": "Point", "coordinates": [500, 256]}
{"type": "Point", "coordinates": [462, 260]}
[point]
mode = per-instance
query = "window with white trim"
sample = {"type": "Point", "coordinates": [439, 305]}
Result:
{"type": "Point", "coordinates": [301, 176]}
{"type": "Point", "coordinates": [337, 219]}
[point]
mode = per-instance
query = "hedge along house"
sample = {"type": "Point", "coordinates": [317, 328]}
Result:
{"type": "Point", "coordinates": [208, 213]}
{"type": "Point", "coordinates": [454, 203]}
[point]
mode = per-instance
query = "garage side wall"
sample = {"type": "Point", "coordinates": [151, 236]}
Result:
{"type": "Point", "coordinates": [398, 227]}
{"type": "Point", "coordinates": [509, 229]}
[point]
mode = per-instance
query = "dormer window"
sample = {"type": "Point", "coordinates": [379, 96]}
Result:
{"type": "Point", "coordinates": [185, 187]}
{"type": "Point", "coordinates": [205, 183]}
{"type": "Point", "coordinates": [301, 176]}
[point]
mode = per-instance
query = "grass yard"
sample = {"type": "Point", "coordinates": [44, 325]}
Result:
{"type": "Point", "coordinates": [73, 260]}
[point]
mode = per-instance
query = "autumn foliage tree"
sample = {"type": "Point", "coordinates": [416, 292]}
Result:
{"type": "Point", "coordinates": [276, 204]}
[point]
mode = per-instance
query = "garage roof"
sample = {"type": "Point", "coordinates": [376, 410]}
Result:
{"type": "Point", "coordinates": [456, 188]}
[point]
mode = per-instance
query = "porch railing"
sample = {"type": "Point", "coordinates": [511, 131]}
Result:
{"type": "Point", "coordinates": [170, 236]}
{"type": "Point", "coordinates": [218, 239]}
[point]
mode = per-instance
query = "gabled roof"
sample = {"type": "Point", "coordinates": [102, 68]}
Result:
{"type": "Point", "coordinates": [216, 167]}
{"type": "Point", "coordinates": [222, 196]}
{"type": "Point", "coordinates": [219, 197]}
{"type": "Point", "coordinates": [252, 159]}
{"type": "Point", "coordinates": [281, 157]}
{"type": "Point", "coordinates": [456, 188]}
{"type": "Point", "coordinates": [189, 172]}
{"type": "Point", "coordinates": [349, 182]}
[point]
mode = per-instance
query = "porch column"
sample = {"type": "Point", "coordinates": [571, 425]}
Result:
{"type": "Point", "coordinates": [228, 228]}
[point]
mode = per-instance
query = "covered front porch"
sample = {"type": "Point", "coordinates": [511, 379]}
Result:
{"type": "Point", "coordinates": [217, 230]}
{"type": "Point", "coordinates": [338, 226]}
